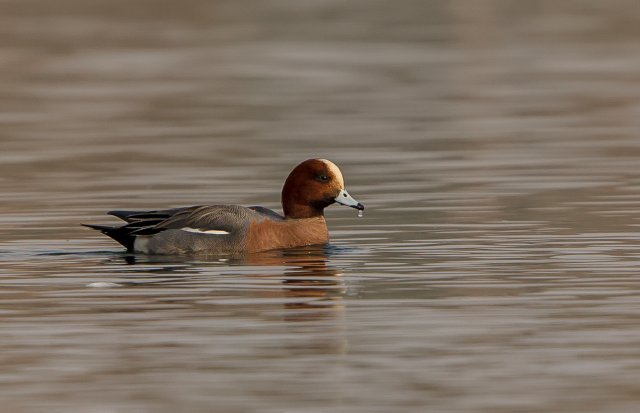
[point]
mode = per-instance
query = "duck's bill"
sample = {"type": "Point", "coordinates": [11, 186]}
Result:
{"type": "Point", "coordinates": [344, 198]}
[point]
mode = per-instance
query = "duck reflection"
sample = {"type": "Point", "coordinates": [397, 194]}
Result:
{"type": "Point", "coordinates": [313, 289]}
{"type": "Point", "coordinates": [309, 287]}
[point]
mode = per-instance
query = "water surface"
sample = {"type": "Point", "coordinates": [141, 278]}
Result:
{"type": "Point", "coordinates": [494, 144]}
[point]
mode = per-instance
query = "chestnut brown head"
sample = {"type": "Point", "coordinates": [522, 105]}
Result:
{"type": "Point", "coordinates": [312, 186]}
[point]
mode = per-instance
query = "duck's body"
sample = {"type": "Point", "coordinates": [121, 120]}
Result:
{"type": "Point", "coordinates": [233, 229]}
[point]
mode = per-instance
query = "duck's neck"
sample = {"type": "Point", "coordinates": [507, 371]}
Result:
{"type": "Point", "coordinates": [294, 210]}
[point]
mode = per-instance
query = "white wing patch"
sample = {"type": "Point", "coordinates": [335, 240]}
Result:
{"type": "Point", "coordinates": [207, 231]}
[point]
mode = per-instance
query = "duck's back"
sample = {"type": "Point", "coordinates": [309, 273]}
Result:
{"type": "Point", "coordinates": [213, 229]}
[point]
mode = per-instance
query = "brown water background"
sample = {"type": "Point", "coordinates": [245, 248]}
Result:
{"type": "Point", "coordinates": [496, 145]}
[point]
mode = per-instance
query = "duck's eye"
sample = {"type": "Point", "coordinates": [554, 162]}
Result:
{"type": "Point", "coordinates": [323, 178]}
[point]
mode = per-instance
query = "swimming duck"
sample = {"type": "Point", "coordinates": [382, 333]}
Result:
{"type": "Point", "coordinates": [311, 186]}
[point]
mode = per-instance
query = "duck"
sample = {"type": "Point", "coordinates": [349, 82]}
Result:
{"type": "Point", "coordinates": [312, 186]}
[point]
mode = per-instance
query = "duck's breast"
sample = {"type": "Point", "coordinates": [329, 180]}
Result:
{"type": "Point", "coordinates": [270, 234]}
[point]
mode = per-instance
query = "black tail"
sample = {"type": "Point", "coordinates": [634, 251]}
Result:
{"type": "Point", "coordinates": [120, 234]}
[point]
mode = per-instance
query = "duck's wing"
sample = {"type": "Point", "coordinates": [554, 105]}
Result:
{"type": "Point", "coordinates": [217, 218]}
{"type": "Point", "coordinates": [133, 216]}
{"type": "Point", "coordinates": [185, 226]}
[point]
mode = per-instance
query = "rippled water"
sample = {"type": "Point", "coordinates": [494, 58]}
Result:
{"type": "Point", "coordinates": [495, 144]}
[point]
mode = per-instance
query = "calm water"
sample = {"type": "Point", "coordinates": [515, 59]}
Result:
{"type": "Point", "coordinates": [496, 146]}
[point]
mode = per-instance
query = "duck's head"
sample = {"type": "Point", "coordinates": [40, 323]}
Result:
{"type": "Point", "coordinates": [312, 186]}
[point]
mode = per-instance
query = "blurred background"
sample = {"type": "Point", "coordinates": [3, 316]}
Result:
{"type": "Point", "coordinates": [495, 144]}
